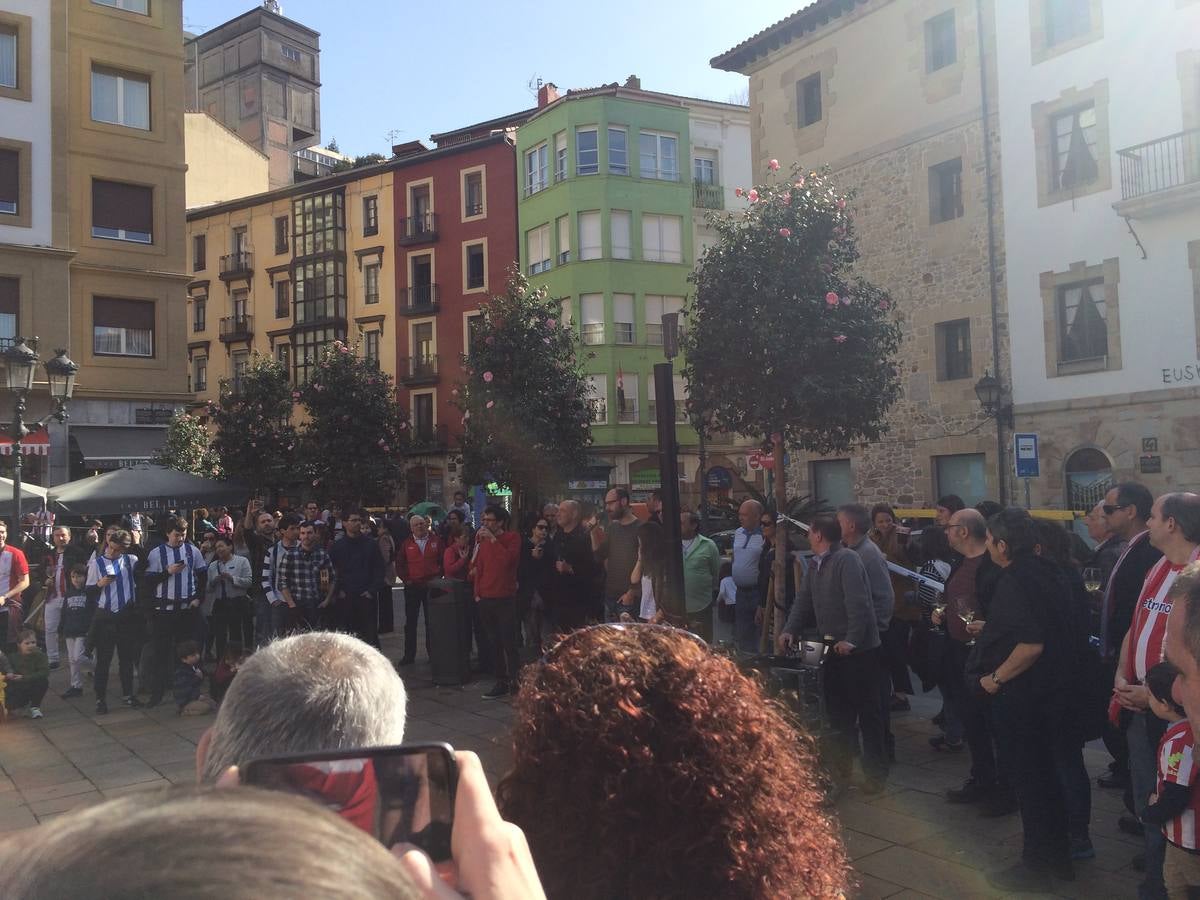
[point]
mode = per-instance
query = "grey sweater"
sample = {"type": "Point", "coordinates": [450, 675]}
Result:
{"type": "Point", "coordinates": [838, 596]}
{"type": "Point", "coordinates": [883, 598]}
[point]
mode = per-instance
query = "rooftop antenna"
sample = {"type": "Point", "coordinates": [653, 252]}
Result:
{"type": "Point", "coordinates": [534, 84]}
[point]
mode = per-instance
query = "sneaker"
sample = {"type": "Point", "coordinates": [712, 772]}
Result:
{"type": "Point", "coordinates": [101, 707]}
{"type": "Point", "coordinates": [132, 702]}
{"type": "Point", "coordinates": [972, 791]}
{"type": "Point", "coordinates": [1020, 879]}
{"type": "Point", "coordinates": [54, 664]}
{"type": "Point", "coordinates": [944, 745]}
{"type": "Point", "coordinates": [35, 712]}
{"type": "Point", "coordinates": [500, 689]}
{"type": "Point", "coordinates": [72, 692]}
{"type": "Point", "coordinates": [1081, 848]}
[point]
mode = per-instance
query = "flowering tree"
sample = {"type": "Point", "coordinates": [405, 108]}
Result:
{"type": "Point", "coordinates": [187, 448]}
{"type": "Point", "coordinates": [255, 436]}
{"type": "Point", "coordinates": [526, 417]}
{"type": "Point", "coordinates": [353, 440]}
{"type": "Point", "coordinates": [783, 338]}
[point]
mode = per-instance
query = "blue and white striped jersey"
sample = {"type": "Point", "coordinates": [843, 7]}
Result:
{"type": "Point", "coordinates": [181, 587]}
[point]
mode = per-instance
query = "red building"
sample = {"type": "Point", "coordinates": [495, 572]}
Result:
{"type": "Point", "coordinates": [456, 234]}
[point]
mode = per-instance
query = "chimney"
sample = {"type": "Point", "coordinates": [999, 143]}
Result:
{"type": "Point", "coordinates": [409, 148]}
{"type": "Point", "coordinates": [547, 94]}
{"type": "Point", "coordinates": [633, 82]}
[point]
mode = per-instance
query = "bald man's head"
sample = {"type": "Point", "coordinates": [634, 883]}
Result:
{"type": "Point", "coordinates": [967, 529]}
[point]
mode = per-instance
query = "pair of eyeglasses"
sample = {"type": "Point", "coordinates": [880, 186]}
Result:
{"type": "Point", "coordinates": [622, 627]}
{"type": "Point", "coordinates": [1110, 508]}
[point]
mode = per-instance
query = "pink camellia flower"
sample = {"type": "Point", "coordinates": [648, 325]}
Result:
{"type": "Point", "coordinates": [382, 442]}
{"type": "Point", "coordinates": [316, 481]}
{"type": "Point", "coordinates": [453, 392]}
{"type": "Point", "coordinates": [839, 339]}
{"type": "Point", "coordinates": [491, 403]}
{"type": "Point", "coordinates": [552, 323]}
{"type": "Point", "coordinates": [831, 298]}
{"type": "Point", "coordinates": [490, 340]}
{"type": "Point", "coordinates": [737, 192]}
{"type": "Point", "coordinates": [785, 232]}
{"type": "Point", "coordinates": [773, 165]}
{"type": "Point", "coordinates": [785, 198]}
{"type": "Point", "coordinates": [545, 340]}
{"type": "Point", "coordinates": [488, 376]}
{"type": "Point", "coordinates": [402, 426]}
{"type": "Point", "coordinates": [884, 304]}
{"type": "Point", "coordinates": [753, 195]}
{"type": "Point", "coordinates": [841, 204]}
{"type": "Point", "coordinates": [799, 184]}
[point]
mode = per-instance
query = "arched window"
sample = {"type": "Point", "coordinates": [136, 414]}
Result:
{"type": "Point", "coordinates": [1089, 476]}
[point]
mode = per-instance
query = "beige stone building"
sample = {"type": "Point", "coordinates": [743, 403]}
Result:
{"type": "Point", "coordinates": [221, 166]}
{"type": "Point", "coordinates": [892, 96]}
{"type": "Point", "coordinates": [91, 216]}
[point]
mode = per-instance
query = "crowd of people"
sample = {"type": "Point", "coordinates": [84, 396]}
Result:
{"type": "Point", "coordinates": [1037, 641]}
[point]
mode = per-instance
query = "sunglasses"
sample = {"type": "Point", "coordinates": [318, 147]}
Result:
{"type": "Point", "coordinates": [621, 627]}
{"type": "Point", "coordinates": [1109, 508]}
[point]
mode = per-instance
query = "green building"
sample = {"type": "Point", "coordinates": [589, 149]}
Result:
{"type": "Point", "coordinates": [611, 202]}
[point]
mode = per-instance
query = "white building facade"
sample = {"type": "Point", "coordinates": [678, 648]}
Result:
{"type": "Point", "coordinates": [1099, 104]}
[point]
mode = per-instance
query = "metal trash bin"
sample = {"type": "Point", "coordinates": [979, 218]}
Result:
{"type": "Point", "coordinates": [448, 619]}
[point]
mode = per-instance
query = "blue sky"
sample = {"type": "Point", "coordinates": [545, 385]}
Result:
{"type": "Point", "coordinates": [453, 62]}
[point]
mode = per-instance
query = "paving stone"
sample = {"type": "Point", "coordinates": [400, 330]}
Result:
{"type": "Point", "coordinates": [63, 804]}
{"type": "Point", "coordinates": [17, 818]}
{"type": "Point", "coordinates": [884, 824]}
{"type": "Point", "coordinates": [926, 874]}
{"type": "Point", "coordinates": [34, 795]}
{"type": "Point", "coordinates": [145, 787]}
{"type": "Point", "coordinates": [870, 888]}
{"type": "Point", "coordinates": [859, 844]}
{"type": "Point", "coordinates": [44, 777]}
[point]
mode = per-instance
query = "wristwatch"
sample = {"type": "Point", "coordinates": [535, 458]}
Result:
{"type": "Point", "coordinates": [996, 681]}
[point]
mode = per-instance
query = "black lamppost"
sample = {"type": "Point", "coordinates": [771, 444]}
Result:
{"type": "Point", "coordinates": [990, 392]}
{"type": "Point", "coordinates": [22, 360]}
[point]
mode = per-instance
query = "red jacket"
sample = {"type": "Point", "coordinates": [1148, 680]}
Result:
{"type": "Point", "coordinates": [454, 565]}
{"type": "Point", "coordinates": [496, 566]}
{"type": "Point", "coordinates": [415, 567]}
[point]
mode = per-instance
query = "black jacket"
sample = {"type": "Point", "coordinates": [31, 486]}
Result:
{"type": "Point", "coordinates": [1126, 585]}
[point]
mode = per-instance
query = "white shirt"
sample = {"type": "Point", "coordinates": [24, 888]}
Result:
{"type": "Point", "coordinates": [649, 606]}
{"type": "Point", "coordinates": [727, 593]}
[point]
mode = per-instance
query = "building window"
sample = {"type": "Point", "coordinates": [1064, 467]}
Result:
{"type": "Point", "coordinates": [941, 49]}
{"type": "Point", "coordinates": [662, 239]}
{"type": "Point", "coordinates": [120, 98]}
{"type": "Point", "coordinates": [656, 308]}
{"type": "Point", "coordinates": [122, 212]}
{"type": "Point", "coordinates": [1082, 322]}
{"type": "Point", "coordinates": [308, 346]}
{"type": "Point", "coordinates": [587, 151]}
{"type": "Point", "coordinates": [8, 56]}
{"type": "Point", "coordinates": [371, 348]}
{"type": "Point", "coordinates": [622, 318]}
{"type": "Point", "coordinates": [283, 300]}
{"type": "Point", "coordinates": [320, 291]}
{"type": "Point", "coordinates": [10, 310]}
{"type": "Point", "coordinates": [627, 398]}
{"type": "Point", "coordinates": [598, 398]}
{"type": "Point", "coordinates": [1066, 20]}
{"type": "Point", "coordinates": [320, 222]}
{"type": "Point", "coordinates": [289, 53]}
{"type": "Point", "coordinates": [477, 268]}
{"type": "Point", "coordinates": [239, 364]}
{"type": "Point", "coordinates": [199, 312]}
{"type": "Point", "coordinates": [1074, 148]}
{"type": "Point", "coordinates": [832, 481]}
{"type": "Point", "coordinates": [283, 356]}
{"type": "Point", "coordinates": [953, 349]}
{"type": "Point", "coordinates": [618, 152]}
{"type": "Point", "coordinates": [808, 100]}
{"type": "Point", "coordinates": [535, 170]}
{"type": "Point", "coordinates": [10, 181]}
{"type": "Point", "coordinates": [200, 373]}
{"type": "Point", "coordinates": [658, 156]}
{"type": "Point", "coordinates": [199, 252]}
{"type": "Point", "coordinates": [704, 169]}
{"type": "Point", "coordinates": [681, 416]}
{"type": "Point", "coordinates": [620, 224]}
{"type": "Point", "coordinates": [591, 318]}
{"type": "Point", "coordinates": [241, 308]}
{"type": "Point", "coordinates": [945, 191]}
{"type": "Point", "coordinates": [471, 333]}
{"type": "Point", "coordinates": [473, 195]}
{"type": "Point", "coordinates": [537, 248]}
{"type": "Point", "coordinates": [589, 235]}
{"type": "Point", "coordinates": [963, 474]}
{"type": "Point", "coordinates": [133, 6]}
{"type": "Point", "coordinates": [562, 226]}
{"type": "Point", "coordinates": [281, 234]}
{"type": "Point", "coordinates": [560, 156]}
{"type": "Point", "coordinates": [370, 216]}
{"type": "Point", "coordinates": [371, 283]}
{"type": "Point", "coordinates": [122, 327]}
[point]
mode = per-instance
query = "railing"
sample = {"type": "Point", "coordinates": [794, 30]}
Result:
{"type": "Point", "coordinates": [707, 196]}
{"type": "Point", "coordinates": [662, 174]}
{"type": "Point", "coordinates": [236, 328]}
{"type": "Point", "coordinates": [419, 369]}
{"type": "Point", "coordinates": [425, 438]}
{"type": "Point", "coordinates": [418, 229]}
{"type": "Point", "coordinates": [1160, 165]}
{"type": "Point", "coordinates": [420, 299]}
{"type": "Point", "coordinates": [236, 264]}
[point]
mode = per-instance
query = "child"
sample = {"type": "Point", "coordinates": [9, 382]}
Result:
{"type": "Point", "coordinates": [190, 699]}
{"type": "Point", "coordinates": [222, 676]}
{"type": "Point", "coordinates": [1173, 805]}
{"type": "Point", "coordinates": [76, 622]}
{"type": "Point", "coordinates": [30, 677]}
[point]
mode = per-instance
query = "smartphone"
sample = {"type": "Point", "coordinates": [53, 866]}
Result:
{"type": "Point", "coordinates": [399, 794]}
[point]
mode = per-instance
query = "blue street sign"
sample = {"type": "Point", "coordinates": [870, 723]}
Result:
{"type": "Point", "coordinates": [1026, 454]}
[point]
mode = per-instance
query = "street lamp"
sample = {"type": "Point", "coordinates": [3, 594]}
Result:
{"type": "Point", "coordinates": [990, 392]}
{"type": "Point", "coordinates": [21, 360]}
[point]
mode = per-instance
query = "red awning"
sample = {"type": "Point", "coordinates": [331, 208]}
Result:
{"type": "Point", "coordinates": [37, 444]}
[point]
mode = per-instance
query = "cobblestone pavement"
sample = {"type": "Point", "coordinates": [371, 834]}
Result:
{"type": "Point", "coordinates": [907, 842]}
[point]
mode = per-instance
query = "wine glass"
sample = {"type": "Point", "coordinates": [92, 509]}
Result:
{"type": "Point", "coordinates": [1091, 579]}
{"type": "Point", "coordinates": [939, 607]}
{"type": "Point", "coordinates": [968, 617]}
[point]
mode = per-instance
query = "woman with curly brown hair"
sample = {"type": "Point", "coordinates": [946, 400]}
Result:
{"type": "Point", "coordinates": [647, 767]}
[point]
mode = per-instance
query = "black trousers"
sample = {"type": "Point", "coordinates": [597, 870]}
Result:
{"type": "Point", "coordinates": [499, 617]}
{"type": "Point", "coordinates": [416, 598]}
{"type": "Point", "coordinates": [167, 629]}
{"type": "Point", "coordinates": [854, 703]}
{"type": "Point", "coordinates": [895, 652]}
{"type": "Point", "coordinates": [230, 616]}
{"type": "Point", "coordinates": [359, 616]}
{"type": "Point", "coordinates": [386, 614]}
{"type": "Point", "coordinates": [977, 728]}
{"type": "Point", "coordinates": [124, 634]}
{"type": "Point", "coordinates": [1115, 741]}
{"type": "Point", "coordinates": [26, 693]}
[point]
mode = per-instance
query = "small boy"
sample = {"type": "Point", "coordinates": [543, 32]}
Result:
{"type": "Point", "coordinates": [226, 669]}
{"type": "Point", "coordinates": [76, 622]}
{"type": "Point", "coordinates": [30, 677]}
{"type": "Point", "coordinates": [190, 699]}
{"type": "Point", "coordinates": [1173, 805]}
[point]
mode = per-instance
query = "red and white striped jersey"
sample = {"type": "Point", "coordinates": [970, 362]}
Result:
{"type": "Point", "coordinates": [1148, 632]}
{"type": "Point", "coordinates": [1177, 765]}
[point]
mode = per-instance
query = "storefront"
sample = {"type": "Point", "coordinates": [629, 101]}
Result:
{"type": "Point", "coordinates": [103, 448]}
{"type": "Point", "coordinates": [35, 456]}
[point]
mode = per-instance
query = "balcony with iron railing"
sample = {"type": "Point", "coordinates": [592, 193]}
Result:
{"type": "Point", "coordinates": [419, 229]}
{"type": "Point", "coordinates": [426, 438]}
{"type": "Point", "coordinates": [1160, 175]}
{"type": "Point", "coordinates": [415, 370]}
{"type": "Point", "coordinates": [236, 328]}
{"type": "Point", "coordinates": [237, 265]}
{"type": "Point", "coordinates": [707, 196]}
{"type": "Point", "coordinates": [420, 300]}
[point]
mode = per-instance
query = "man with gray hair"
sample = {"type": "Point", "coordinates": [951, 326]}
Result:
{"type": "Point", "coordinates": [304, 694]}
{"type": "Point", "coordinates": [418, 561]}
{"type": "Point", "coordinates": [570, 588]}
{"type": "Point", "coordinates": [747, 548]}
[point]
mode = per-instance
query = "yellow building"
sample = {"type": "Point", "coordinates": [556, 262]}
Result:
{"type": "Point", "coordinates": [92, 237]}
{"type": "Point", "coordinates": [220, 165]}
